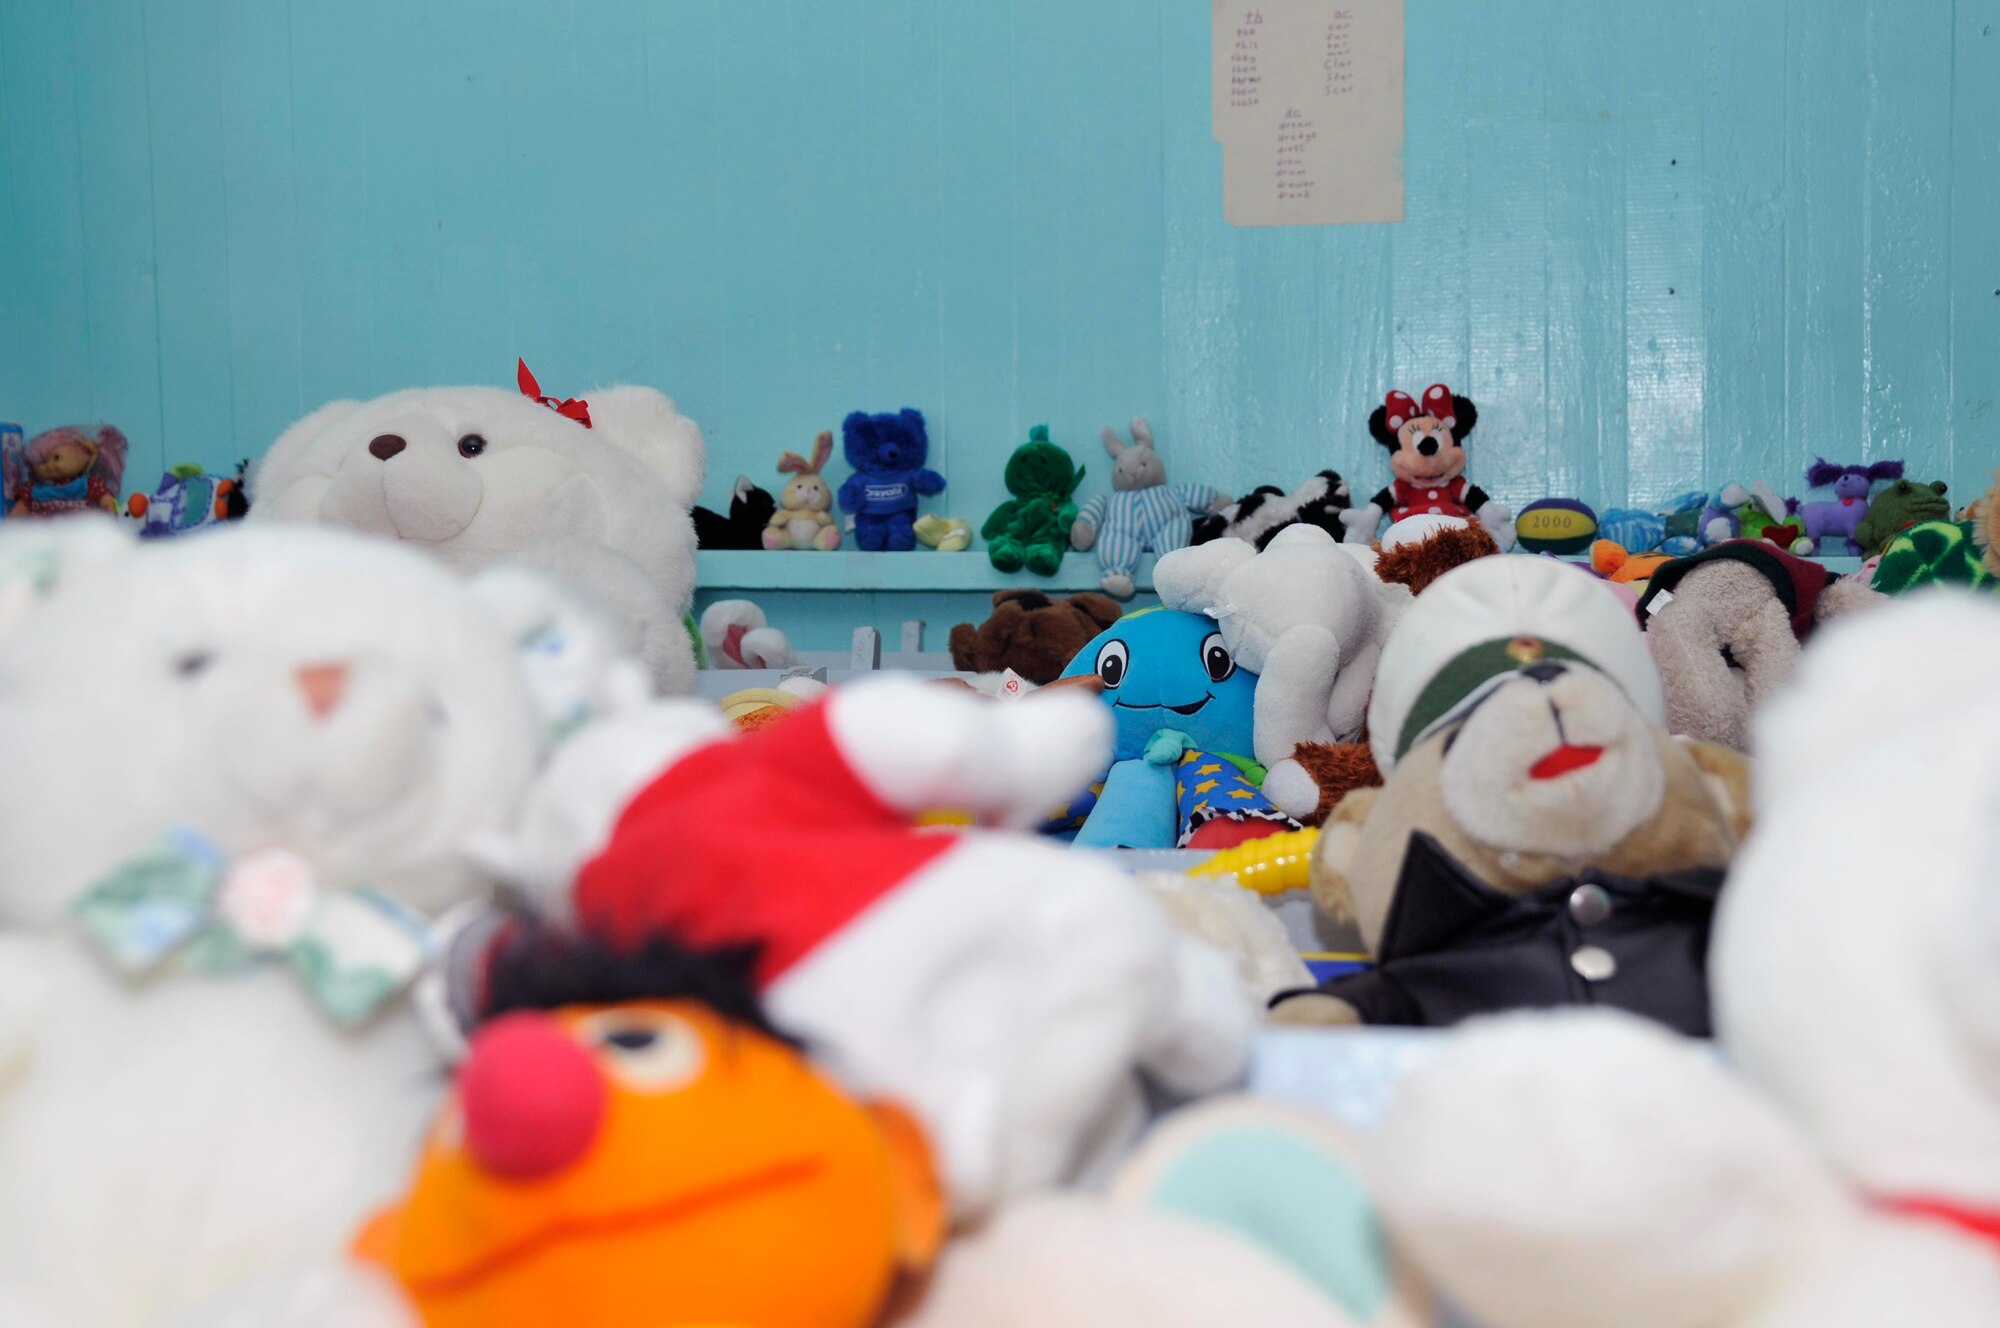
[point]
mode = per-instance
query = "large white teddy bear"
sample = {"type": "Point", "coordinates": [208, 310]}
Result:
{"type": "Point", "coordinates": [597, 493]}
{"type": "Point", "coordinates": [1309, 616]}
{"type": "Point", "coordinates": [238, 770]}
{"type": "Point", "coordinates": [1574, 1170]}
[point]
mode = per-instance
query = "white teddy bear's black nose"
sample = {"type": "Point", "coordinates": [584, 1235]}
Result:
{"type": "Point", "coordinates": [387, 445]}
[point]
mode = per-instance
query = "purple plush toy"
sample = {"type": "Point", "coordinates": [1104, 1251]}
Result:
{"type": "Point", "coordinates": [1850, 491]}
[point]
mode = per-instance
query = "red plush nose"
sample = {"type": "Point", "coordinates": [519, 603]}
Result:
{"type": "Point", "coordinates": [532, 1098]}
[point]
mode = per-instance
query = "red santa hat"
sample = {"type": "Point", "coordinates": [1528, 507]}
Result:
{"type": "Point", "coordinates": [770, 839]}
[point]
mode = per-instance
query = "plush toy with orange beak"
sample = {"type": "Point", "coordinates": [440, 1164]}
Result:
{"type": "Point", "coordinates": [630, 1144]}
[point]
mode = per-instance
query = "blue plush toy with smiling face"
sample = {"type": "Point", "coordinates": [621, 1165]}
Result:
{"type": "Point", "coordinates": [1164, 669]}
{"type": "Point", "coordinates": [1179, 700]}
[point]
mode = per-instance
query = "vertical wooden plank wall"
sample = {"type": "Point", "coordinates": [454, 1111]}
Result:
{"type": "Point", "coordinates": [1665, 246]}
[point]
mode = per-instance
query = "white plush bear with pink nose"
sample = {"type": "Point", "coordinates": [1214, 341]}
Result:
{"type": "Point", "coordinates": [236, 772]}
{"type": "Point", "coordinates": [596, 491]}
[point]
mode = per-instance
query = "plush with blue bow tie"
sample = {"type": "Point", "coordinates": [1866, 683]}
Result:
{"type": "Point", "coordinates": [184, 902]}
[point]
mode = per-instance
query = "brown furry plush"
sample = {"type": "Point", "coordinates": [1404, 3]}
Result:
{"type": "Point", "coordinates": [1031, 634]}
{"type": "Point", "coordinates": [1338, 768]}
{"type": "Point", "coordinates": [1417, 565]}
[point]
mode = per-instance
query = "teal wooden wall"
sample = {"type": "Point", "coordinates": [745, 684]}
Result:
{"type": "Point", "coordinates": [1662, 244]}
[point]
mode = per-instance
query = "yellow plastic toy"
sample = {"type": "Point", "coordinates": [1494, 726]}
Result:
{"type": "Point", "coordinates": [1269, 866]}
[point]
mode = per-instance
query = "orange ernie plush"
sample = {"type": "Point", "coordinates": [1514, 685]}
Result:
{"type": "Point", "coordinates": [630, 1145]}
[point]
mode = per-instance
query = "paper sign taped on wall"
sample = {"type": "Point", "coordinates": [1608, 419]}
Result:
{"type": "Point", "coordinates": [1308, 107]}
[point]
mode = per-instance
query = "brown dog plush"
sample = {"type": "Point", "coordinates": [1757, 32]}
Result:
{"type": "Point", "coordinates": [1031, 634]}
{"type": "Point", "coordinates": [1550, 846]}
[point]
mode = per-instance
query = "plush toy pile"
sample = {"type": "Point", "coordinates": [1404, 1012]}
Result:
{"type": "Point", "coordinates": [387, 941]}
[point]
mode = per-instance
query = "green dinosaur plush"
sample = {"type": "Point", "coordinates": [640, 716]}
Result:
{"type": "Point", "coordinates": [1031, 529]}
{"type": "Point", "coordinates": [1901, 504]}
{"type": "Point", "coordinates": [1933, 553]}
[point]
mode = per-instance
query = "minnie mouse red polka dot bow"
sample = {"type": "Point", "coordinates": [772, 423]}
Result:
{"type": "Point", "coordinates": [570, 408]}
{"type": "Point", "coordinates": [1402, 407]}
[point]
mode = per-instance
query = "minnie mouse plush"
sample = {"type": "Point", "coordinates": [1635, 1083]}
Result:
{"type": "Point", "coordinates": [1426, 445]}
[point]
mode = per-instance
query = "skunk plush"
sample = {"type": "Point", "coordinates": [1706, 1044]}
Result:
{"type": "Point", "coordinates": [1266, 510]}
{"type": "Point", "coordinates": [750, 510]}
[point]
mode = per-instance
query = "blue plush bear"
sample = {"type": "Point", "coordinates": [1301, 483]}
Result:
{"type": "Point", "coordinates": [888, 454]}
{"type": "Point", "coordinates": [1185, 716]}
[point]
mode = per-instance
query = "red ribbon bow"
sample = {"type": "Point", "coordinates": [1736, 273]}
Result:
{"type": "Point", "coordinates": [569, 408]}
{"type": "Point", "coordinates": [1402, 407]}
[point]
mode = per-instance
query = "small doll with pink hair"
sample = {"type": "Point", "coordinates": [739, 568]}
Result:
{"type": "Point", "coordinates": [64, 470]}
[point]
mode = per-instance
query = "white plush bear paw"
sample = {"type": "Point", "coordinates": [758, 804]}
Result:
{"type": "Point", "coordinates": [921, 747]}
{"type": "Point", "coordinates": [1119, 585]}
{"type": "Point", "coordinates": [1291, 789]}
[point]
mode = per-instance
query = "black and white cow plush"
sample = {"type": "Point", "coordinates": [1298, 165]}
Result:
{"type": "Point", "coordinates": [1266, 510]}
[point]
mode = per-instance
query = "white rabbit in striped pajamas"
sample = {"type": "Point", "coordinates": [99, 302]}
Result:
{"type": "Point", "coordinates": [1142, 512]}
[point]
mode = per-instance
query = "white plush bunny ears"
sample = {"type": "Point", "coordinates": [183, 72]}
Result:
{"type": "Point", "coordinates": [1142, 436]}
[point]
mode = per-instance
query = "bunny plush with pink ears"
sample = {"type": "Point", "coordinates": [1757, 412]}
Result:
{"type": "Point", "coordinates": [804, 519]}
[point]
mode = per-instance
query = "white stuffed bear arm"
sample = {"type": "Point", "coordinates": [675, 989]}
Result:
{"type": "Point", "coordinates": [1294, 693]}
{"type": "Point", "coordinates": [920, 747]}
{"type": "Point", "coordinates": [1498, 519]}
{"type": "Point", "coordinates": [569, 812]}
{"type": "Point", "coordinates": [1361, 522]}
{"type": "Point", "coordinates": [1612, 1172]}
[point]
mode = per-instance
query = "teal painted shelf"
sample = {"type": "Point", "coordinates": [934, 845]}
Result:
{"type": "Point", "coordinates": [927, 572]}
{"type": "Point", "coordinates": [917, 573]}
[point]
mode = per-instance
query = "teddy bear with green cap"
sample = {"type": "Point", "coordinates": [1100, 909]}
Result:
{"type": "Point", "coordinates": [1031, 529]}
{"type": "Point", "coordinates": [1540, 839]}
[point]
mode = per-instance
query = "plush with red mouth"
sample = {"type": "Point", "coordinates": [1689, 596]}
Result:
{"type": "Point", "coordinates": [1426, 443]}
{"type": "Point", "coordinates": [1541, 839]}
{"type": "Point", "coordinates": [630, 1144]}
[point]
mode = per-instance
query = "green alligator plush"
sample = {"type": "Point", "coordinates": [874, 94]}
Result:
{"type": "Point", "coordinates": [1902, 504]}
{"type": "Point", "coordinates": [1031, 529]}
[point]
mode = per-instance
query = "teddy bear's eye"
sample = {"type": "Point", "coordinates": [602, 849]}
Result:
{"type": "Point", "coordinates": [471, 445]}
{"type": "Point", "coordinates": [193, 663]}
{"type": "Point", "coordinates": [1215, 657]}
{"type": "Point", "coordinates": [1112, 662]}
